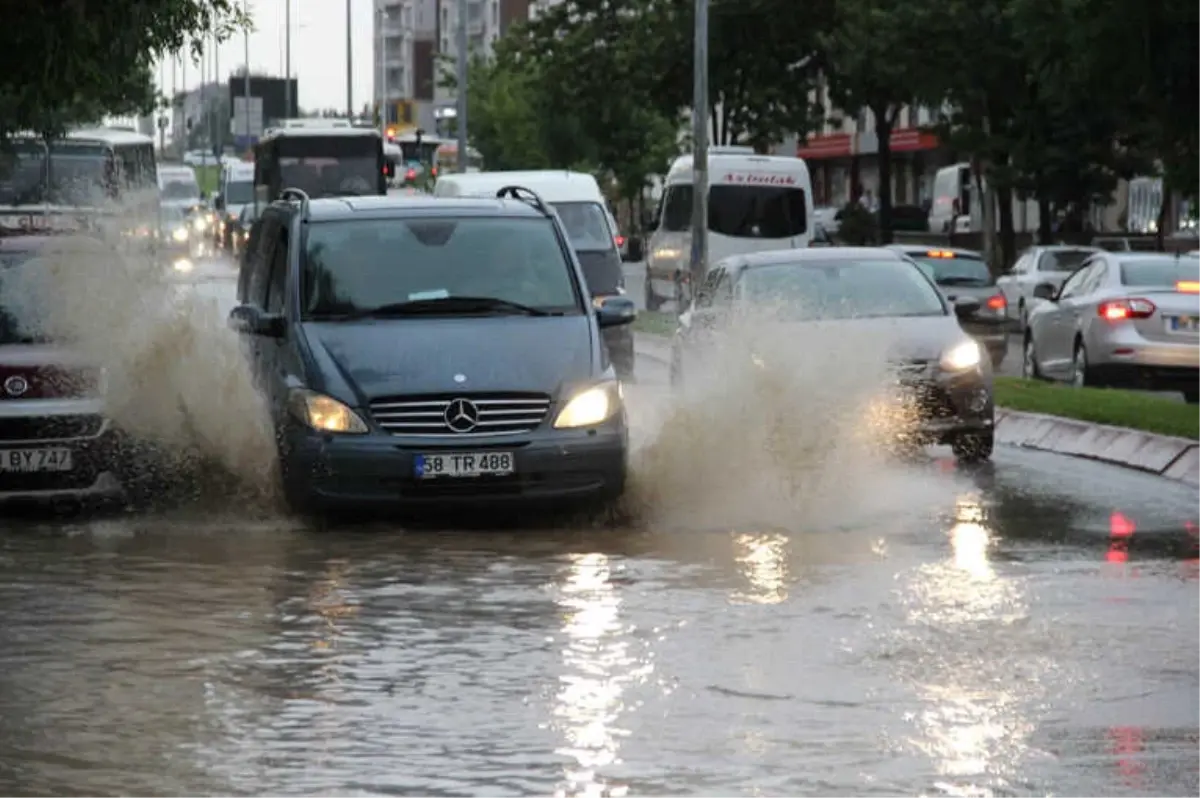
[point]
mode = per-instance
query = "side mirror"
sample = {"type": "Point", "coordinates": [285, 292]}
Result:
{"type": "Point", "coordinates": [966, 307]}
{"type": "Point", "coordinates": [249, 320]}
{"type": "Point", "coordinates": [1045, 291]}
{"type": "Point", "coordinates": [634, 250]}
{"type": "Point", "coordinates": [615, 311]}
{"type": "Point", "coordinates": [218, 202]}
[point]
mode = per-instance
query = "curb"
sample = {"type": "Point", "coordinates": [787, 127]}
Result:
{"type": "Point", "coordinates": [1174, 458]}
{"type": "Point", "coordinates": [1177, 459]}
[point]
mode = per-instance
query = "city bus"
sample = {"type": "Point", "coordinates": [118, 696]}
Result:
{"type": "Point", "coordinates": [320, 161]}
{"type": "Point", "coordinates": [94, 173]}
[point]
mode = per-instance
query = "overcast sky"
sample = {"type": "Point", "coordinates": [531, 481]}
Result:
{"type": "Point", "coordinates": [318, 50]}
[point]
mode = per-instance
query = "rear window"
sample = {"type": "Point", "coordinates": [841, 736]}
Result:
{"type": "Point", "coordinates": [1063, 260]}
{"type": "Point", "coordinates": [359, 265]}
{"type": "Point", "coordinates": [842, 289]}
{"type": "Point", "coordinates": [586, 224]}
{"type": "Point", "coordinates": [1159, 272]}
{"type": "Point", "coordinates": [950, 268]}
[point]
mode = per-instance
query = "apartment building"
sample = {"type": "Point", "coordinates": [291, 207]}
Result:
{"type": "Point", "coordinates": [413, 38]}
{"type": "Point", "coordinates": [843, 155]}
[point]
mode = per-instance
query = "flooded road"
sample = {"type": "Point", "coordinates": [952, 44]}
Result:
{"type": "Point", "coordinates": [1025, 628]}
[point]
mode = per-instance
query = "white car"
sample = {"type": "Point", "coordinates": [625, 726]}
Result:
{"type": "Point", "coordinates": [1036, 265]}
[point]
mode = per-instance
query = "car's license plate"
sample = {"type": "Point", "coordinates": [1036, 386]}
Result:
{"type": "Point", "coordinates": [1183, 324]}
{"type": "Point", "coordinates": [24, 461]}
{"type": "Point", "coordinates": [463, 464]}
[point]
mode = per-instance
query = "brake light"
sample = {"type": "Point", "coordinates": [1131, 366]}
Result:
{"type": "Point", "coordinates": [1187, 287]}
{"type": "Point", "coordinates": [411, 174]}
{"type": "Point", "coordinates": [433, 171]}
{"type": "Point", "coordinates": [1120, 309]}
{"type": "Point", "coordinates": [620, 241]}
{"type": "Point", "coordinates": [997, 302]}
{"type": "Point", "coordinates": [939, 253]}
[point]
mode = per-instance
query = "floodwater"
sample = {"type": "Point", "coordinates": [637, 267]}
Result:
{"type": "Point", "coordinates": [1029, 627]}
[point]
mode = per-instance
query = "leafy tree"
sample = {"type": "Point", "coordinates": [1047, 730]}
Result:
{"type": "Point", "coordinates": [874, 57]}
{"type": "Point", "coordinates": [71, 62]}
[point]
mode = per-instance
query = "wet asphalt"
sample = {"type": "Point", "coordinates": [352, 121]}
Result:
{"type": "Point", "coordinates": [1030, 627]}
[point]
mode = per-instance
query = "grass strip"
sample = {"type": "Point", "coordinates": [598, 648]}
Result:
{"type": "Point", "coordinates": [655, 322]}
{"type": "Point", "coordinates": [1132, 409]}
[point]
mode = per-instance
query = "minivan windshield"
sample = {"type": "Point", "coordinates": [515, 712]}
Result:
{"type": "Point", "coordinates": [354, 266]}
{"type": "Point", "coordinates": [842, 289]}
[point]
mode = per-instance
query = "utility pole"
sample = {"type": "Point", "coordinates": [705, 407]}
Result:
{"type": "Point", "coordinates": [202, 121]}
{"type": "Point", "coordinates": [287, 59]}
{"type": "Point", "coordinates": [349, 60]}
{"type": "Point", "coordinates": [246, 79]}
{"type": "Point", "coordinates": [218, 132]}
{"type": "Point", "coordinates": [460, 121]}
{"type": "Point", "coordinates": [699, 253]}
{"type": "Point", "coordinates": [381, 18]}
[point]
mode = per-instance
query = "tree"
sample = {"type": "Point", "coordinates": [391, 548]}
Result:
{"type": "Point", "coordinates": [874, 58]}
{"type": "Point", "coordinates": [70, 62]}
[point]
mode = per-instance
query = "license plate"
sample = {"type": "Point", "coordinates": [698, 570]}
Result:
{"type": "Point", "coordinates": [25, 461]}
{"type": "Point", "coordinates": [1183, 324]}
{"type": "Point", "coordinates": [463, 464]}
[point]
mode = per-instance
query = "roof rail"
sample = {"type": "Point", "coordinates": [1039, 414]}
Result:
{"type": "Point", "coordinates": [296, 195]}
{"type": "Point", "coordinates": [526, 195]}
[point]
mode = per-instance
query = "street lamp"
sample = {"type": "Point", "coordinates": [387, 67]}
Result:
{"type": "Point", "coordinates": [699, 251]}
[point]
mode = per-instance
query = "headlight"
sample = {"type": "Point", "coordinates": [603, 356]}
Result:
{"type": "Point", "coordinates": [590, 407]}
{"type": "Point", "coordinates": [182, 265]}
{"type": "Point", "coordinates": [180, 234]}
{"type": "Point", "coordinates": [324, 413]}
{"type": "Point", "coordinates": [201, 223]}
{"type": "Point", "coordinates": [961, 357]}
{"type": "Point", "coordinates": [666, 253]}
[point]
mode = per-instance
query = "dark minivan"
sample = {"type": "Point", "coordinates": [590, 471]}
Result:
{"type": "Point", "coordinates": [419, 352]}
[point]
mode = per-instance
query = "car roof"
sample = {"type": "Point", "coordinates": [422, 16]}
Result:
{"type": "Point", "coordinates": [398, 207]}
{"type": "Point", "coordinates": [553, 185]}
{"type": "Point", "coordinates": [1067, 248]}
{"type": "Point", "coordinates": [914, 249]}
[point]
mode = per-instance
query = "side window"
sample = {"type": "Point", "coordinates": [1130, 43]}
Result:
{"type": "Point", "coordinates": [258, 262]}
{"type": "Point", "coordinates": [1073, 284]}
{"type": "Point", "coordinates": [1022, 264]}
{"type": "Point", "coordinates": [723, 293]}
{"type": "Point", "coordinates": [277, 284]}
{"type": "Point", "coordinates": [1098, 270]}
{"type": "Point", "coordinates": [677, 209]}
{"type": "Point", "coordinates": [246, 267]}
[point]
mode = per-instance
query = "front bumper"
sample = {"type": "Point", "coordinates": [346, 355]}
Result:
{"type": "Point", "coordinates": [377, 470]}
{"type": "Point", "coordinates": [95, 473]}
{"type": "Point", "coordinates": [938, 409]}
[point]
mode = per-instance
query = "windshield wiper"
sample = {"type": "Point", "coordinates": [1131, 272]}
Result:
{"type": "Point", "coordinates": [448, 306]}
{"type": "Point", "coordinates": [960, 281]}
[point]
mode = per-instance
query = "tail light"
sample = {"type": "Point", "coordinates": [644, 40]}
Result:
{"type": "Point", "coordinates": [1120, 309]}
{"type": "Point", "coordinates": [997, 302]}
{"type": "Point", "coordinates": [620, 241]}
{"type": "Point", "coordinates": [433, 171]}
{"type": "Point", "coordinates": [411, 174]}
{"type": "Point", "coordinates": [1187, 287]}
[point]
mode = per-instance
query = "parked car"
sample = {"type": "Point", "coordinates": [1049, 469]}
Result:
{"type": "Point", "coordinates": [939, 367]}
{"type": "Point", "coordinates": [1122, 319]}
{"type": "Point", "coordinates": [963, 273]}
{"type": "Point", "coordinates": [405, 371]}
{"type": "Point", "coordinates": [1043, 264]}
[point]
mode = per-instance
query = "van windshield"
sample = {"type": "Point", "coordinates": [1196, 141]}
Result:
{"type": "Point", "coordinates": [741, 211]}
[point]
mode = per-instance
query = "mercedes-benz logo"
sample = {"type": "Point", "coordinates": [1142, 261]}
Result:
{"type": "Point", "coordinates": [16, 385]}
{"type": "Point", "coordinates": [462, 415]}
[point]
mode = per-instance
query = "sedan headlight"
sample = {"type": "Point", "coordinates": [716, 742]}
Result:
{"type": "Point", "coordinates": [961, 357]}
{"type": "Point", "coordinates": [180, 234]}
{"type": "Point", "coordinates": [590, 407]}
{"type": "Point", "coordinates": [201, 224]}
{"type": "Point", "coordinates": [324, 413]}
{"type": "Point", "coordinates": [666, 253]}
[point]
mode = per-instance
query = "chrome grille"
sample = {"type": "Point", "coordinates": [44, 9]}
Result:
{"type": "Point", "coordinates": [498, 413]}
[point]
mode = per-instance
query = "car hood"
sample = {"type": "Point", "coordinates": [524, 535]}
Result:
{"type": "Point", "coordinates": [358, 361]}
{"type": "Point", "coordinates": [911, 338]}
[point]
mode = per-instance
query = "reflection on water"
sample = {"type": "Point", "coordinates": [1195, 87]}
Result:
{"type": "Point", "coordinates": [598, 668]}
{"type": "Point", "coordinates": [973, 727]}
{"type": "Point", "coordinates": [762, 560]}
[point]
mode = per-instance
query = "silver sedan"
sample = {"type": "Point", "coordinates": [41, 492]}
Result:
{"type": "Point", "coordinates": [1123, 319]}
{"type": "Point", "coordinates": [1036, 265]}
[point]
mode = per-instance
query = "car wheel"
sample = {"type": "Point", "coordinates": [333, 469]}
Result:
{"type": "Point", "coordinates": [1029, 365]}
{"type": "Point", "coordinates": [1081, 372]}
{"type": "Point", "coordinates": [974, 447]}
{"type": "Point", "coordinates": [1191, 397]}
